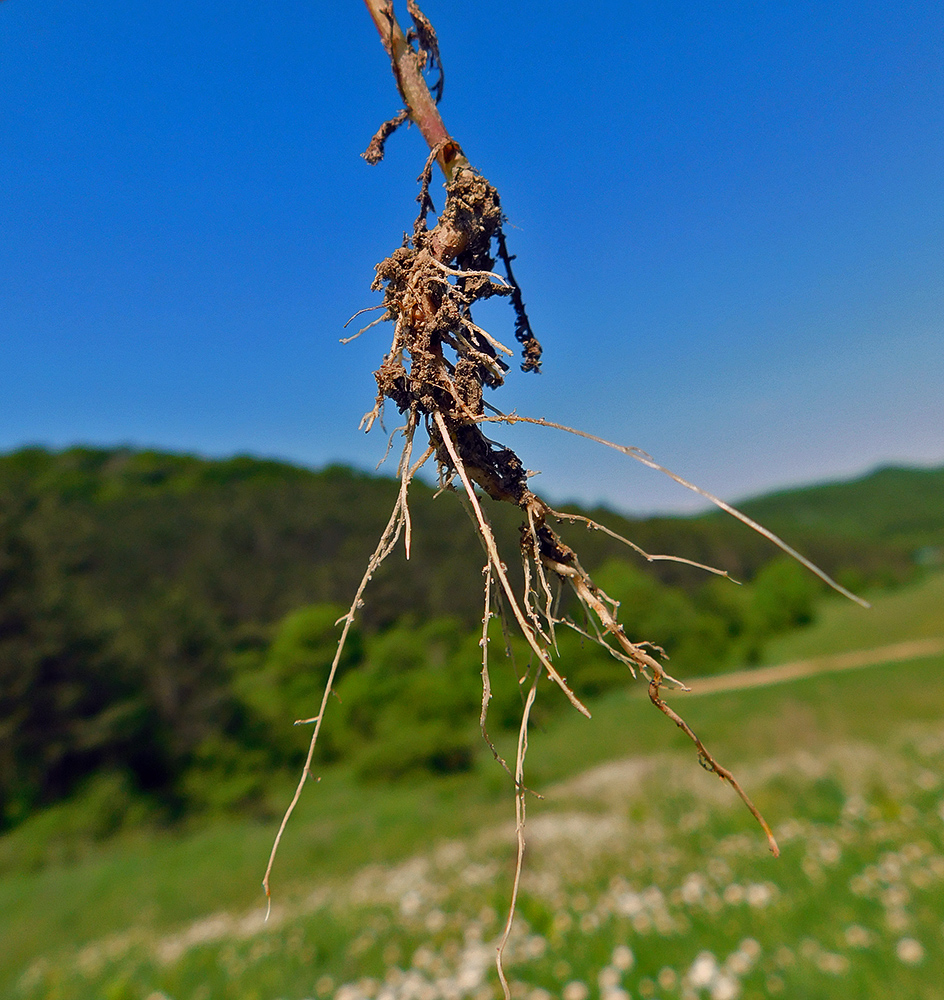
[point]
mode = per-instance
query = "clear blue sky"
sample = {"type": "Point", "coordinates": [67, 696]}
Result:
{"type": "Point", "coordinates": [728, 216]}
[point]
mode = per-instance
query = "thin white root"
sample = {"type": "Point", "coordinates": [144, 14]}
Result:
{"type": "Point", "coordinates": [528, 602]}
{"type": "Point", "coordinates": [486, 680]}
{"type": "Point", "coordinates": [404, 471]}
{"type": "Point", "coordinates": [520, 792]}
{"type": "Point", "coordinates": [367, 421]}
{"type": "Point", "coordinates": [462, 274]}
{"type": "Point", "coordinates": [384, 547]}
{"type": "Point", "coordinates": [497, 344]}
{"type": "Point", "coordinates": [646, 459]}
{"type": "Point", "coordinates": [389, 448]}
{"type": "Point", "coordinates": [364, 329]}
{"type": "Point", "coordinates": [360, 312]}
{"type": "Point", "coordinates": [542, 576]}
{"type": "Point", "coordinates": [596, 526]}
{"type": "Point", "coordinates": [590, 598]}
{"type": "Point", "coordinates": [460, 344]}
{"type": "Point", "coordinates": [598, 638]}
{"type": "Point", "coordinates": [499, 568]}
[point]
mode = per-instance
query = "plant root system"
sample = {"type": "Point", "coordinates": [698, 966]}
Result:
{"type": "Point", "coordinates": [436, 372]}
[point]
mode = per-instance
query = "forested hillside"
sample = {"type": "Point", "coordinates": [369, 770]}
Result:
{"type": "Point", "coordinates": [164, 618]}
{"type": "Point", "coordinates": [903, 509]}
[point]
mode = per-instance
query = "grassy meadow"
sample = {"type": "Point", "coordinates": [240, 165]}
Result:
{"type": "Point", "coordinates": [645, 877]}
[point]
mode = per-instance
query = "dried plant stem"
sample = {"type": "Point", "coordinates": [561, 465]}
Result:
{"type": "Point", "coordinates": [430, 284]}
{"type": "Point", "coordinates": [416, 96]}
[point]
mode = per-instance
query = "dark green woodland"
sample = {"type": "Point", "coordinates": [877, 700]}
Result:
{"type": "Point", "coordinates": [165, 618]}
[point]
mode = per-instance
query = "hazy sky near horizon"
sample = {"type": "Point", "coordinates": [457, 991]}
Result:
{"type": "Point", "coordinates": [728, 221]}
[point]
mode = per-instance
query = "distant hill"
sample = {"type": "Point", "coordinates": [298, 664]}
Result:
{"type": "Point", "coordinates": [901, 507]}
{"type": "Point", "coordinates": [873, 529]}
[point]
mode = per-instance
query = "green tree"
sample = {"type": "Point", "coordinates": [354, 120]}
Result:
{"type": "Point", "coordinates": [414, 704]}
{"type": "Point", "coordinates": [285, 681]}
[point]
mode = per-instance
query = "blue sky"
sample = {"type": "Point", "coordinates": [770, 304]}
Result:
{"type": "Point", "coordinates": [728, 217]}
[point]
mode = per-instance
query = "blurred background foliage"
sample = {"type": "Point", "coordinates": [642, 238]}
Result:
{"type": "Point", "coordinates": [164, 619]}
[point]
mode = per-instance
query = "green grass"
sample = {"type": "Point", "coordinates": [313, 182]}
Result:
{"type": "Point", "coordinates": [146, 888]}
{"type": "Point", "coordinates": [161, 880]}
{"type": "Point", "coordinates": [666, 863]}
{"type": "Point", "coordinates": [912, 612]}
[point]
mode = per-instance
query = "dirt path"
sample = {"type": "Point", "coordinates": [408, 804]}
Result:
{"type": "Point", "coordinates": [781, 672]}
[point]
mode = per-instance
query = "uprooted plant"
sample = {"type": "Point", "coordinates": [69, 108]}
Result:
{"type": "Point", "coordinates": [436, 372]}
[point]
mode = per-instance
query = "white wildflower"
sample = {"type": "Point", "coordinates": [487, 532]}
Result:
{"type": "Point", "coordinates": [857, 936]}
{"type": "Point", "coordinates": [703, 971]}
{"type": "Point", "coordinates": [575, 990]}
{"type": "Point", "coordinates": [725, 987]}
{"type": "Point", "coordinates": [622, 957]}
{"type": "Point", "coordinates": [909, 951]}
{"type": "Point", "coordinates": [609, 977]}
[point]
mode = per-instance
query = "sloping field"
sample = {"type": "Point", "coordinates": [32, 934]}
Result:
{"type": "Point", "coordinates": [631, 889]}
{"type": "Point", "coordinates": [645, 877]}
{"type": "Point", "coordinates": [913, 612]}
